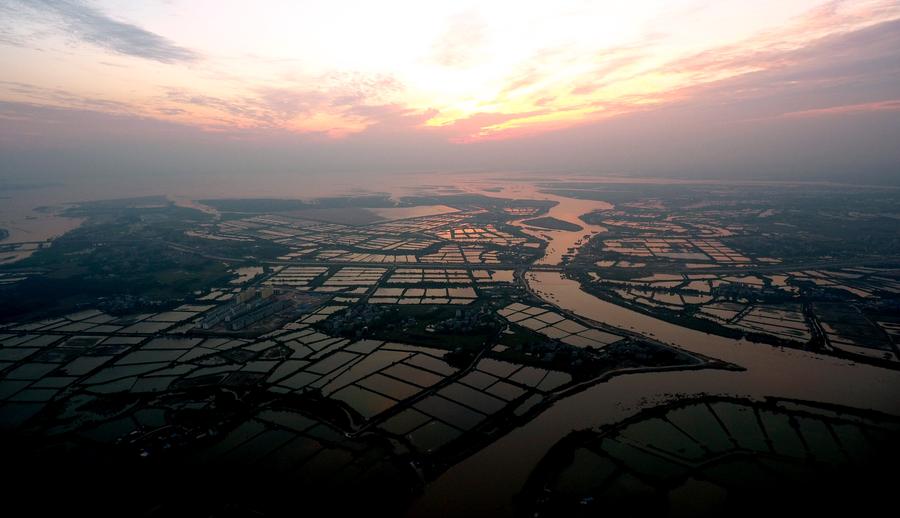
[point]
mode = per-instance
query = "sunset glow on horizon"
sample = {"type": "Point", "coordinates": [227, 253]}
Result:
{"type": "Point", "coordinates": [483, 70]}
{"type": "Point", "coordinates": [97, 85]}
{"type": "Point", "coordinates": [421, 258]}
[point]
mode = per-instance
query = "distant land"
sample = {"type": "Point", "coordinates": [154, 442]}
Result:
{"type": "Point", "coordinates": [551, 223]}
{"type": "Point", "coordinates": [262, 205]}
{"type": "Point", "coordinates": [398, 335]}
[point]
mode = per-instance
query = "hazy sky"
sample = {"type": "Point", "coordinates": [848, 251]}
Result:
{"type": "Point", "coordinates": [762, 88]}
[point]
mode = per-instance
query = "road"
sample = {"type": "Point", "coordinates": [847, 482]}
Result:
{"type": "Point", "coordinates": [370, 264]}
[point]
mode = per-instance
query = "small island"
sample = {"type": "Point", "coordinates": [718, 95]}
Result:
{"type": "Point", "coordinates": [551, 223]}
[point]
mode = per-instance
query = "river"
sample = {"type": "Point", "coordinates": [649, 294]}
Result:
{"type": "Point", "coordinates": [486, 483]}
{"type": "Point", "coordinates": [560, 242]}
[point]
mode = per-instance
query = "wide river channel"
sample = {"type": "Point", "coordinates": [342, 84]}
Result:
{"type": "Point", "coordinates": [487, 482]}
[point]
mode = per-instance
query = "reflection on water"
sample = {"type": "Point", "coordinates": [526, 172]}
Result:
{"type": "Point", "coordinates": [506, 464]}
{"type": "Point", "coordinates": [770, 372]}
{"type": "Point", "coordinates": [716, 455]}
{"type": "Point", "coordinates": [30, 220]}
{"type": "Point", "coordinates": [31, 215]}
{"type": "Point", "coordinates": [559, 242]}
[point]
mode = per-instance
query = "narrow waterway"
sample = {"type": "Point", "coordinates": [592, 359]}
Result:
{"type": "Point", "coordinates": [487, 483]}
{"type": "Point", "coordinates": [559, 242]}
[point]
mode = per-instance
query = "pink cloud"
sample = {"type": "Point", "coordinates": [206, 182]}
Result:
{"type": "Point", "coordinates": [849, 109]}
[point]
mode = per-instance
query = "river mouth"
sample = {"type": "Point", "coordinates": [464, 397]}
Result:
{"type": "Point", "coordinates": [561, 243]}
{"type": "Point", "coordinates": [505, 429]}
{"type": "Point", "coordinates": [768, 372]}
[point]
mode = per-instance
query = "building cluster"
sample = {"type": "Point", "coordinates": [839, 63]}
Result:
{"type": "Point", "coordinates": [247, 308]}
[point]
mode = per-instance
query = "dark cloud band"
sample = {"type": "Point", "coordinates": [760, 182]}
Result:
{"type": "Point", "coordinates": [93, 26]}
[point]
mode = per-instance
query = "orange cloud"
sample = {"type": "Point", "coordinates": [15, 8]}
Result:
{"type": "Point", "coordinates": [548, 88]}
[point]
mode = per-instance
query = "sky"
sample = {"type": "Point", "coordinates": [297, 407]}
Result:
{"type": "Point", "coordinates": [734, 89]}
